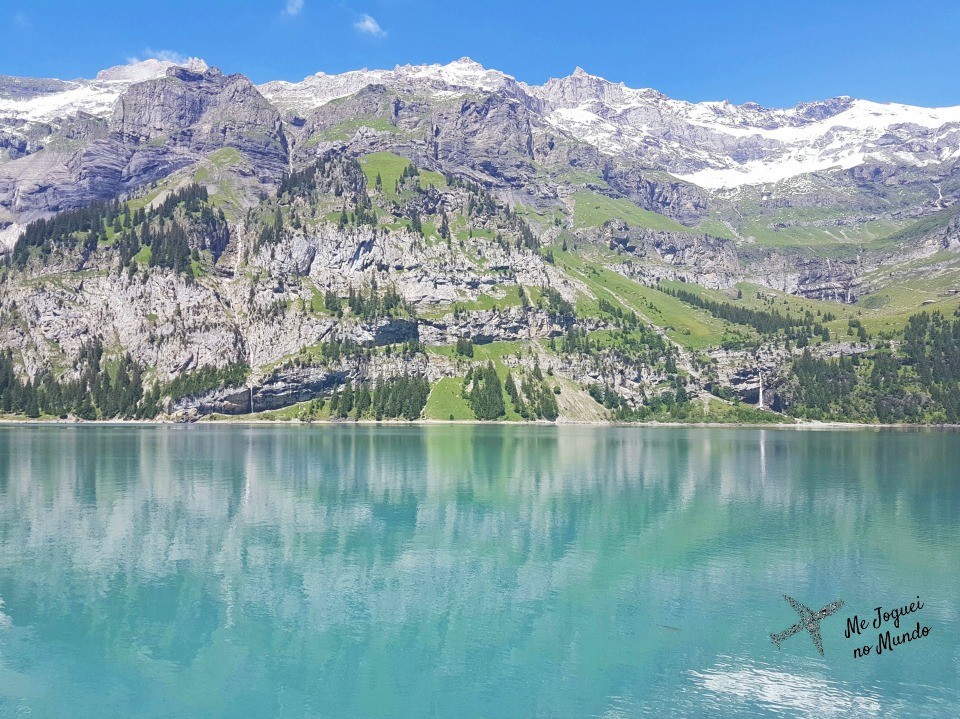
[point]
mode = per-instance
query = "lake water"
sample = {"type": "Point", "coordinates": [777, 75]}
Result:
{"type": "Point", "coordinates": [472, 571]}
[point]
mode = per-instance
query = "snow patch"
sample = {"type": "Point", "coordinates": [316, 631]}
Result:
{"type": "Point", "coordinates": [761, 172]}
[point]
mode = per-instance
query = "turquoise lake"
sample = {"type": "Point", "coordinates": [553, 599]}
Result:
{"type": "Point", "coordinates": [473, 571]}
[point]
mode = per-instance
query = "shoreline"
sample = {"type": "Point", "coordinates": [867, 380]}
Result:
{"type": "Point", "coordinates": [797, 425]}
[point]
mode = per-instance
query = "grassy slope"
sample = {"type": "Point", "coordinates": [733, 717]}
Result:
{"type": "Point", "coordinates": [782, 302]}
{"type": "Point", "coordinates": [592, 209]}
{"type": "Point", "coordinates": [716, 228]}
{"type": "Point", "coordinates": [348, 128]}
{"type": "Point", "coordinates": [689, 326]}
{"type": "Point", "coordinates": [925, 287]}
{"type": "Point", "coordinates": [492, 352]}
{"type": "Point", "coordinates": [390, 167]}
{"type": "Point", "coordinates": [218, 171]}
{"type": "Point", "coordinates": [919, 285]}
{"type": "Point", "coordinates": [837, 242]}
{"type": "Point", "coordinates": [885, 311]}
{"type": "Point", "coordinates": [445, 401]}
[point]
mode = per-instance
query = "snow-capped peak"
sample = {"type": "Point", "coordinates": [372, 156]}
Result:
{"type": "Point", "coordinates": [94, 97]}
{"type": "Point", "coordinates": [461, 73]}
{"type": "Point", "coordinates": [432, 80]}
{"type": "Point", "coordinates": [581, 87]}
{"type": "Point", "coordinates": [712, 144]}
{"type": "Point", "coordinates": [457, 77]}
{"type": "Point", "coordinates": [148, 69]}
{"type": "Point", "coordinates": [720, 144]}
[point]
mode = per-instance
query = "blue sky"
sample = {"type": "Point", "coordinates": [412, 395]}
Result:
{"type": "Point", "coordinates": [776, 52]}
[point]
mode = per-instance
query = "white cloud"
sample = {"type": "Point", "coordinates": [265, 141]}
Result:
{"type": "Point", "coordinates": [22, 21]}
{"type": "Point", "coordinates": [368, 25]}
{"type": "Point", "coordinates": [293, 7]}
{"type": "Point", "coordinates": [165, 55]}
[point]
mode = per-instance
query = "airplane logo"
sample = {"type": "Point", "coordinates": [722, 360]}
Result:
{"type": "Point", "coordinates": [809, 620]}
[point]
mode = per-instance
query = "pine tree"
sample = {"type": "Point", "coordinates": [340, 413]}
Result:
{"type": "Point", "coordinates": [30, 406]}
{"type": "Point", "coordinates": [363, 400]}
{"type": "Point", "coordinates": [464, 347]}
{"type": "Point", "coordinates": [346, 400]}
{"type": "Point", "coordinates": [486, 397]}
{"type": "Point", "coordinates": [85, 410]}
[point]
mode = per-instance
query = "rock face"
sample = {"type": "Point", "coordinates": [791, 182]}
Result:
{"type": "Point", "coordinates": [195, 113]}
{"type": "Point", "coordinates": [706, 260]}
{"type": "Point", "coordinates": [229, 401]}
{"type": "Point", "coordinates": [680, 201]}
{"type": "Point", "coordinates": [163, 321]}
{"type": "Point", "coordinates": [813, 277]}
{"type": "Point", "coordinates": [155, 128]}
{"type": "Point", "coordinates": [513, 323]}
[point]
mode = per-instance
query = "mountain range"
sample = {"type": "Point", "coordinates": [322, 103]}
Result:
{"type": "Point", "coordinates": [676, 251]}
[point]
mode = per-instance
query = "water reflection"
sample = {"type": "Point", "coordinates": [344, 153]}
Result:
{"type": "Point", "coordinates": [476, 571]}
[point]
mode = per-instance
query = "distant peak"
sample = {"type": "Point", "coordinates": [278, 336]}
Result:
{"type": "Point", "coordinates": [582, 75]}
{"type": "Point", "coordinates": [192, 74]}
{"type": "Point", "coordinates": [822, 109]}
{"type": "Point", "coordinates": [149, 69]}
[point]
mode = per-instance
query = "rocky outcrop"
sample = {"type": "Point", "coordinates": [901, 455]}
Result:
{"type": "Point", "coordinates": [821, 278]}
{"type": "Point", "coordinates": [340, 258]}
{"type": "Point", "coordinates": [512, 323]}
{"type": "Point", "coordinates": [199, 112]}
{"type": "Point", "coordinates": [229, 401]}
{"type": "Point", "coordinates": [681, 201]}
{"type": "Point", "coordinates": [706, 260]}
{"type": "Point", "coordinates": [292, 382]}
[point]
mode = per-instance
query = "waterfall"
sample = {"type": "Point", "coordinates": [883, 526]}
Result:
{"type": "Point", "coordinates": [760, 379]}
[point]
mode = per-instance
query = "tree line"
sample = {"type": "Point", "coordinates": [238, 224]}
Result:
{"type": "Point", "coordinates": [917, 381]}
{"type": "Point", "coordinates": [401, 397]}
{"type": "Point", "coordinates": [532, 397]}
{"type": "Point", "coordinates": [87, 228]}
{"type": "Point", "coordinates": [96, 394]}
{"type": "Point", "coordinates": [763, 322]}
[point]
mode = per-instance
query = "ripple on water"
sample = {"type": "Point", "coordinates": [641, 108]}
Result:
{"type": "Point", "coordinates": [744, 685]}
